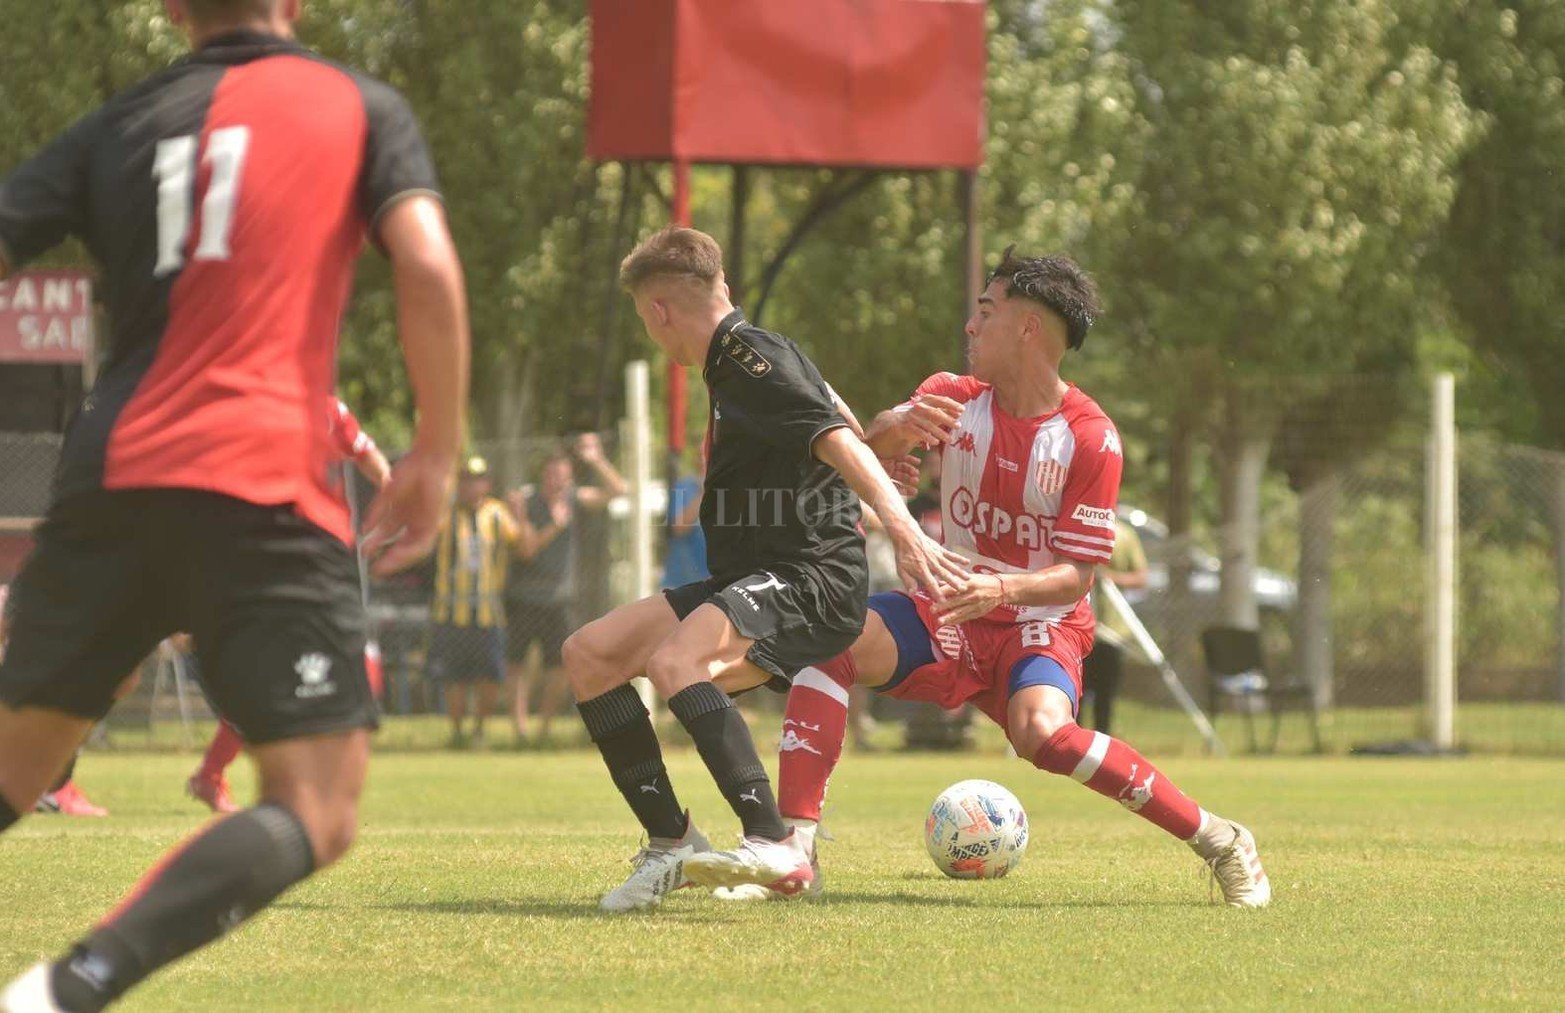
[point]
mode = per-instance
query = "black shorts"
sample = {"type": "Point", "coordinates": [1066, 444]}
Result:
{"type": "Point", "coordinates": [272, 601]}
{"type": "Point", "coordinates": [527, 622]}
{"type": "Point", "coordinates": [466, 653]}
{"type": "Point", "coordinates": [797, 616]}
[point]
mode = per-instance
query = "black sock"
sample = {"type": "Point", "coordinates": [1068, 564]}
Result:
{"type": "Point", "coordinates": [65, 778]}
{"type": "Point", "coordinates": [726, 746]}
{"type": "Point", "coordinates": [215, 881]}
{"type": "Point", "coordinates": [619, 724]}
{"type": "Point", "coordinates": [8, 816]}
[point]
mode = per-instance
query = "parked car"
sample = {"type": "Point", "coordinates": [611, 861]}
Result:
{"type": "Point", "coordinates": [1275, 593]}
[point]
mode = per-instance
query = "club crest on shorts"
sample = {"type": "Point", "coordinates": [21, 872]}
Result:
{"type": "Point", "coordinates": [313, 669]}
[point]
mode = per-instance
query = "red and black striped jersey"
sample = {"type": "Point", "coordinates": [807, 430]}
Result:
{"type": "Point", "coordinates": [225, 201]}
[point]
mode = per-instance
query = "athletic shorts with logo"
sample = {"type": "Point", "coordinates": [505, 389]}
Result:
{"type": "Point", "coordinates": [272, 601]}
{"type": "Point", "coordinates": [974, 661]}
{"type": "Point", "coordinates": [797, 615]}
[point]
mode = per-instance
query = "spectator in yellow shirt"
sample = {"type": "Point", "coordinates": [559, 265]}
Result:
{"type": "Point", "coordinates": [467, 641]}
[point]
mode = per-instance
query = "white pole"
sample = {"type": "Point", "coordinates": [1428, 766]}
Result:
{"type": "Point", "coordinates": [639, 414]}
{"type": "Point", "coordinates": [1440, 650]}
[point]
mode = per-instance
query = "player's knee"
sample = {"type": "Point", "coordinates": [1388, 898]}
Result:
{"type": "Point", "coordinates": [336, 838]}
{"type": "Point", "coordinates": [1033, 730]}
{"type": "Point", "coordinates": [588, 665]}
{"type": "Point", "coordinates": [670, 670]}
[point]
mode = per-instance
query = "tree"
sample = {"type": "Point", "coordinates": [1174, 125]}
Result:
{"type": "Point", "coordinates": [1304, 161]}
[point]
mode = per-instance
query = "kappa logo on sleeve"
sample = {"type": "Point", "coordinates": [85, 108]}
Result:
{"type": "Point", "coordinates": [1094, 517]}
{"type": "Point", "coordinates": [739, 350]}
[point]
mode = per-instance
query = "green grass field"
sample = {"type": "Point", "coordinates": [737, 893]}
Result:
{"type": "Point", "coordinates": [1399, 883]}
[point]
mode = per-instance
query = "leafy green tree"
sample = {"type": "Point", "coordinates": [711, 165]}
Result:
{"type": "Point", "coordinates": [1304, 162]}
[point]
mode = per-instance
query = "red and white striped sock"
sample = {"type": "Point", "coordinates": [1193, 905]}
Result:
{"type": "Point", "coordinates": [814, 725]}
{"type": "Point", "coordinates": [225, 746]}
{"type": "Point", "coordinates": [1115, 770]}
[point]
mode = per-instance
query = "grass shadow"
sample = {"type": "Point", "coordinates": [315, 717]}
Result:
{"type": "Point", "coordinates": [991, 902]}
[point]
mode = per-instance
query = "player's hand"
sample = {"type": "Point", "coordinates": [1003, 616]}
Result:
{"type": "Point", "coordinates": [929, 419]}
{"type": "Point", "coordinates": [560, 511]}
{"type": "Point", "coordinates": [516, 499]}
{"type": "Point", "coordinates": [972, 597]}
{"type": "Point", "coordinates": [405, 517]}
{"type": "Point", "coordinates": [903, 472]}
{"type": "Point", "coordinates": [924, 564]}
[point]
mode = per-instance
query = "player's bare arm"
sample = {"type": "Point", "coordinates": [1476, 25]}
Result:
{"type": "Point", "coordinates": [432, 319]}
{"type": "Point", "coordinates": [924, 420]}
{"type": "Point", "coordinates": [921, 561]}
{"type": "Point", "coordinates": [980, 593]}
{"type": "Point", "coordinates": [590, 450]}
{"type": "Point", "coordinates": [532, 539]}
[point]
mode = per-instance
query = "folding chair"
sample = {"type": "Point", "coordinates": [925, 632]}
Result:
{"type": "Point", "coordinates": [1236, 666]}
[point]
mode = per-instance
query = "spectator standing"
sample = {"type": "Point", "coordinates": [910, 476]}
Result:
{"type": "Point", "coordinates": [467, 640]}
{"type": "Point", "coordinates": [543, 584]}
{"type": "Point", "coordinates": [1104, 668]}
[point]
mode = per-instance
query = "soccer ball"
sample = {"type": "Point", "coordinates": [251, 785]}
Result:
{"type": "Point", "coordinates": [976, 830]}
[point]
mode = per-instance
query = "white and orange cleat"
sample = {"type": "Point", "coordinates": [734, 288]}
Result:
{"type": "Point", "coordinates": [1235, 864]}
{"type": "Point", "coordinates": [68, 800]}
{"type": "Point", "coordinates": [807, 830]}
{"type": "Point", "coordinates": [781, 866]}
{"type": "Point", "coordinates": [214, 793]}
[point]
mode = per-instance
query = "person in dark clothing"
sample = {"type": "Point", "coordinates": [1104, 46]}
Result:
{"type": "Point", "coordinates": [541, 590]}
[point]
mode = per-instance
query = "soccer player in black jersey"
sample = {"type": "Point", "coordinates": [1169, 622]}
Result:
{"type": "Point", "coordinates": [780, 510]}
{"type": "Point", "coordinates": [226, 201]}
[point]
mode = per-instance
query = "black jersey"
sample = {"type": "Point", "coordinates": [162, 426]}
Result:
{"type": "Point", "coordinates": [767, 500]}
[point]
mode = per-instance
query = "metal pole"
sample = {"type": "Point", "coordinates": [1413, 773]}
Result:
{"type": "Point", "coordinates": [1440, 647]}
{"type": "Point", "coordinates": [1115, 599]}
{"type": "Point", "coordinates": [678, 399]}
{"type": "Point", "coordinates": [972, 240]}
{"type": "Point", "coordinates": [638, 411]}
{"type": "Point", "coordinates": [736, 233]}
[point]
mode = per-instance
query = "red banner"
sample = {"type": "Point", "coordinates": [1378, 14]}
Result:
{"type": "Point", "coordinates": [46, 316]}
{"type": "Point", "coordinates": [875, 83]}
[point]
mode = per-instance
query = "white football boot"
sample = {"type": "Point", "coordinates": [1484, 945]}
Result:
{"type": "Point", "coordinates": [31, 993]}
{"type": "Point", "coordinates": [658, 870]}
{"type": "Point", "coordinates": [807, 831]}
{"type": "Point", "coordinates": [1234, 864]}
{"type": "Point", "coordinates": [783, 866]}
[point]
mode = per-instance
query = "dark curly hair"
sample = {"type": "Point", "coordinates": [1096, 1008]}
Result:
{"type": "Point", "coordinates": [1057, 283]}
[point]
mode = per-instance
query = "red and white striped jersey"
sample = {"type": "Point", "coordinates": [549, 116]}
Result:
{"type": "Point", "coordinates": [1019, 495]}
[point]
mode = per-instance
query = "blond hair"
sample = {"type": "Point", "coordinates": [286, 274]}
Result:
{"type": "Point", "coordinates": [674, 252]}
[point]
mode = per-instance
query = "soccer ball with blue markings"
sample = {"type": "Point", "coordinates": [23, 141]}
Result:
{"type": "Point", "coordinates": [976, 830]}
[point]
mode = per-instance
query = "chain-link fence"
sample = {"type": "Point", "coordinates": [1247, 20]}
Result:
{"type": "Point", "coordinates": [477, 630]}
{"type": "Point", "coordinates": [1342, 589]}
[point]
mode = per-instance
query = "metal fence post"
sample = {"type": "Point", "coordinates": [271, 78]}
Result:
{"type": "Point", "coordinates": [1440, 631]}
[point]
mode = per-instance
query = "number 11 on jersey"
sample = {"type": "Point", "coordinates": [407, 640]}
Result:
{"type": "Point", "coordinates": [174, 168]}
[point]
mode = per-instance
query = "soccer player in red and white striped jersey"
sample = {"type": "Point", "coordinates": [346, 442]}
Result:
{"type": "Point", "coordinates": [1029, 484]}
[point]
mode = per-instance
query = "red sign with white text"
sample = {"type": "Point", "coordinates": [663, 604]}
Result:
{"type": "Point", "coordinates": [46, 316]}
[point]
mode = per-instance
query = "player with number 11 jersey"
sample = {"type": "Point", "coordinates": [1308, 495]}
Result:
{"type": "Point", "coordinates": [226, 201]}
